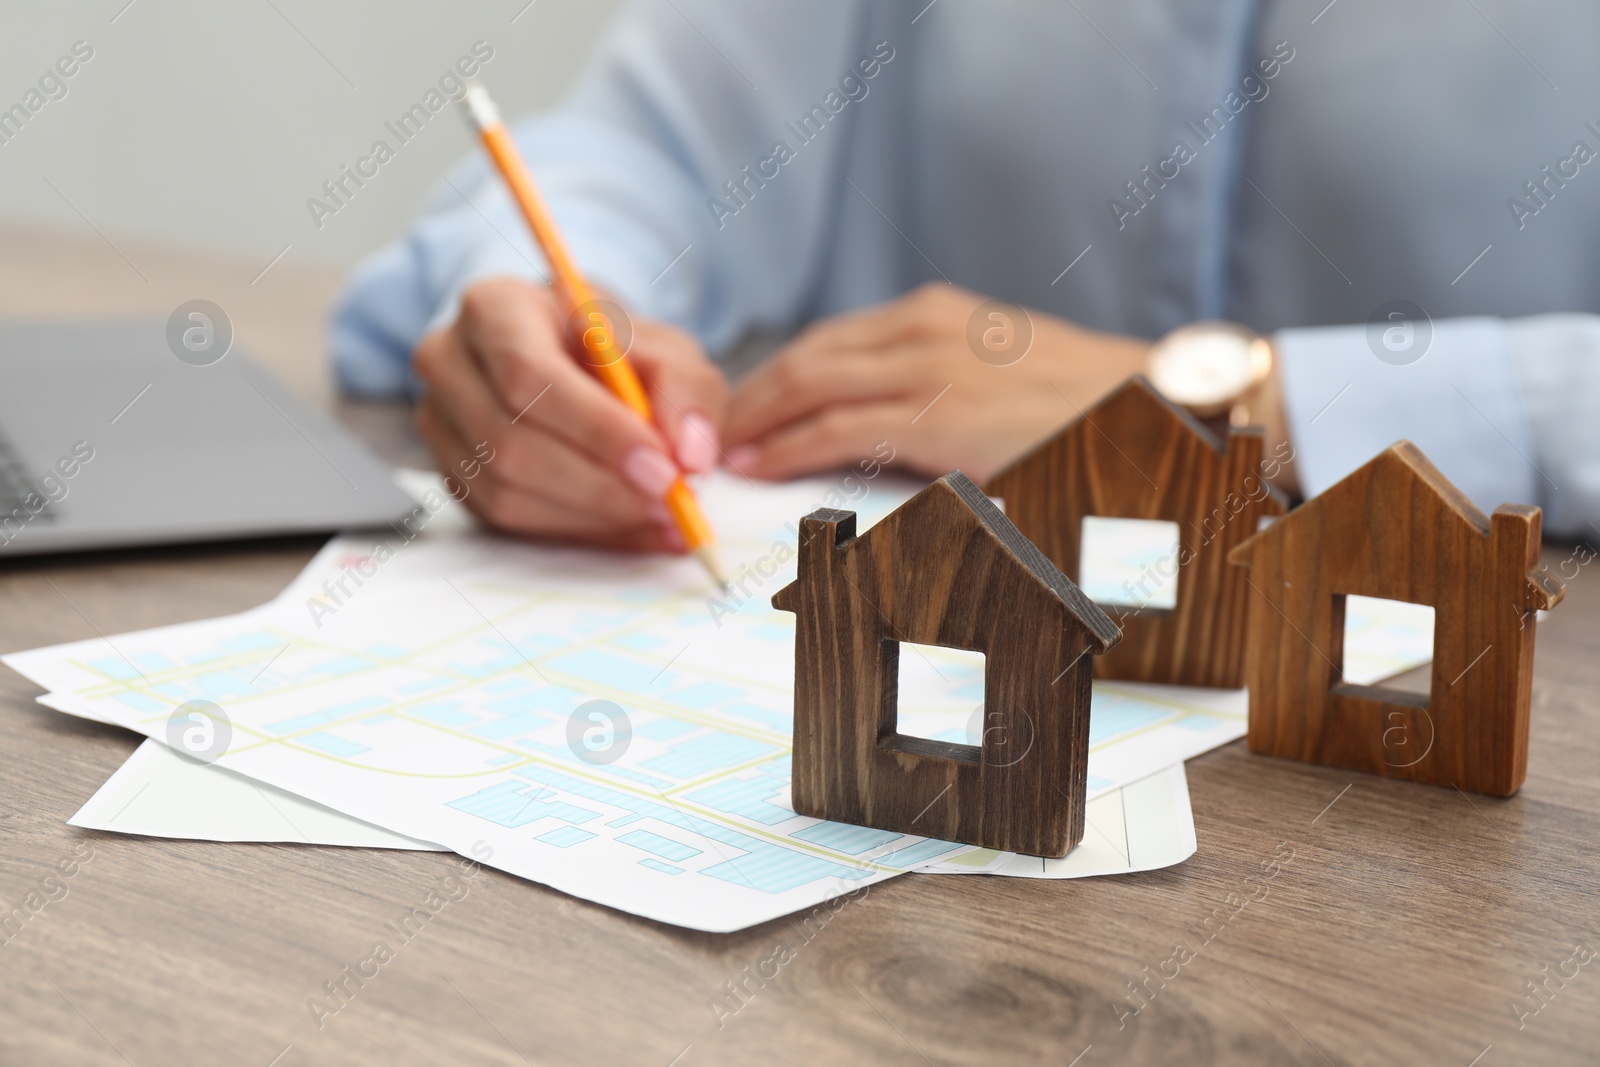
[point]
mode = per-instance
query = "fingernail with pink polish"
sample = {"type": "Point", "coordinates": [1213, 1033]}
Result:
{"type": "Point", "coordinates": [744, 457]}
{"type": "Point", "coordinates": [649, 471]}
{"type": "Point", "coordinates": [697, 443]}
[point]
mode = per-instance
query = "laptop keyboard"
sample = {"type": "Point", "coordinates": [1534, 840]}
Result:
{"type": "Point", "coordinates": [16, 485]}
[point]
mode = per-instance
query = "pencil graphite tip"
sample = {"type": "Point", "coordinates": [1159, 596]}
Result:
{"type": "Point", "coordinates": [707, 555]}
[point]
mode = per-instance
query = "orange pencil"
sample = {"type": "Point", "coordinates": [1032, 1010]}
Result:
{"type": "Point", "coordinates": [609, 363]}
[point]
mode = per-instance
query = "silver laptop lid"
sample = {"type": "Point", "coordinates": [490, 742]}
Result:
{"type": "Point", "coordinates": [108, 438]}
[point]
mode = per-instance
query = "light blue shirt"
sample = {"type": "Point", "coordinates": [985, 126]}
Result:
{"type": "Point", "coordinates": [1132, 165]}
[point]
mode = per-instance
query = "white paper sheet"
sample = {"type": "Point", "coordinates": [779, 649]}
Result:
{"type": "Point", "coordinates": [441, 710]}
{"type": "Point", "coordinates": [157, 793]}
{"type": "Point", "coordinates": [434, 698]}
{"type": "Point", "coordinates": [1143, 826]}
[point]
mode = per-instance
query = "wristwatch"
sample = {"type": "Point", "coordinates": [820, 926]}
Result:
{"type": "Point", "coordinates": [1213, 369]}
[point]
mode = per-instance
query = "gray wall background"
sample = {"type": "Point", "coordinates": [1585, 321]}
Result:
{"type": "Point", "coordinates": [207, 123]}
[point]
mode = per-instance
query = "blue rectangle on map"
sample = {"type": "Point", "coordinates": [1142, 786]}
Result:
{"type": "Point", "coordinates": [1120, 715]}
{"type": "Point", "coordinates": [777, 722]}
{"type": "Point", "coordinates": [845, 837]}
{"type": "Point", "coordinates": [513, 804]}
{"type": "Point", "coordinates": [521, 722]}
{"type": "Point", "coordinates": [708, 752]}
{"type": "Point", "coordinates": [704, 694]}
{"type": "Point", "coordinates": [618, 671]}
{"type": "Point", "coordinates": [749, 797]}
{"type": "Point", "coordinates": [662, 729]}
{"type": "Point", "coordinates": [443, 712]}
{"type": "Point", "coordinates": [565, 836]}
{"type": "Point", "coordinates": [912, 855]}
{"type": "Point", "coordinates": [664, 847]}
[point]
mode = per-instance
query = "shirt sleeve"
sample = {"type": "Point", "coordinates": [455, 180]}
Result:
{"type": "Point", "coordinates": [1451, 387]}
{"type": "Point", "coordinates": [1558, 363]}
{"type": "Point", "coordinates": [664, 124]}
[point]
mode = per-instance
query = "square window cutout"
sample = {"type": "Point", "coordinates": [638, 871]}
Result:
{"type": "Point", "coordinates": [1384, 643]}
{"type": "Point", "coordinates": [940, 695]}
{"type": "Point", "coordinates": [1129, 563]}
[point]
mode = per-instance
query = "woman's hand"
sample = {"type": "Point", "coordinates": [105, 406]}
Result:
{"type": "Point", "coordinates": [567, 460]}
{"type": "Point", "coordinates": [948, 379]}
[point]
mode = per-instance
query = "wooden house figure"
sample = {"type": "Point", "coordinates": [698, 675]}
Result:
{"type": "Point", "coordinates": [1136, 455]}
{"type": "Point", "coordinates": [946, 568]}
{"type": "Point", "coordinates": [1396, 528]}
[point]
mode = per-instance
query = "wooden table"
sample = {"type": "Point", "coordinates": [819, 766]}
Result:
{"type": "Point", "coordinates": [1403, 930]}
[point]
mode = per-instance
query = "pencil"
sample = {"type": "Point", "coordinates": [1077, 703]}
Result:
{"type": "Point", "coordinates": [609, 364]}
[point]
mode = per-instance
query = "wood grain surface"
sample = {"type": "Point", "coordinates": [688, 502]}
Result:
{"type": "Point", "coordinates": [945, 568]}
{"type": "Point", "coordinates": [1135, 455]}
{"type": "Point", "coordinates": [1397, 529]}
{"type": "Point", "coordinates": [1403, 930]}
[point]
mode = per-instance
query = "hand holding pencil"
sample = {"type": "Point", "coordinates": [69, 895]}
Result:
{"type": "Point", "coordinates": [582, 454]}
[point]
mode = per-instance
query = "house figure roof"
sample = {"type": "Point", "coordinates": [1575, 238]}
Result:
{"type": "Point", "coordinates": [987, 522]}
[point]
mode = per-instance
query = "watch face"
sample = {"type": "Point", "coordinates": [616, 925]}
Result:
{"type": "Point", "coordinates": [1207, 365]}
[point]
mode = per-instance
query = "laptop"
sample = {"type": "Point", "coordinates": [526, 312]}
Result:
{"type": "Point", "coordinates": [109, 438]}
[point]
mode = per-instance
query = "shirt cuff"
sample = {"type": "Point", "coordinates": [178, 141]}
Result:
{"type": "Point", "coordinates": [1558, 364]}
{"type": "Point", "coordinates": [1450, 387]}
